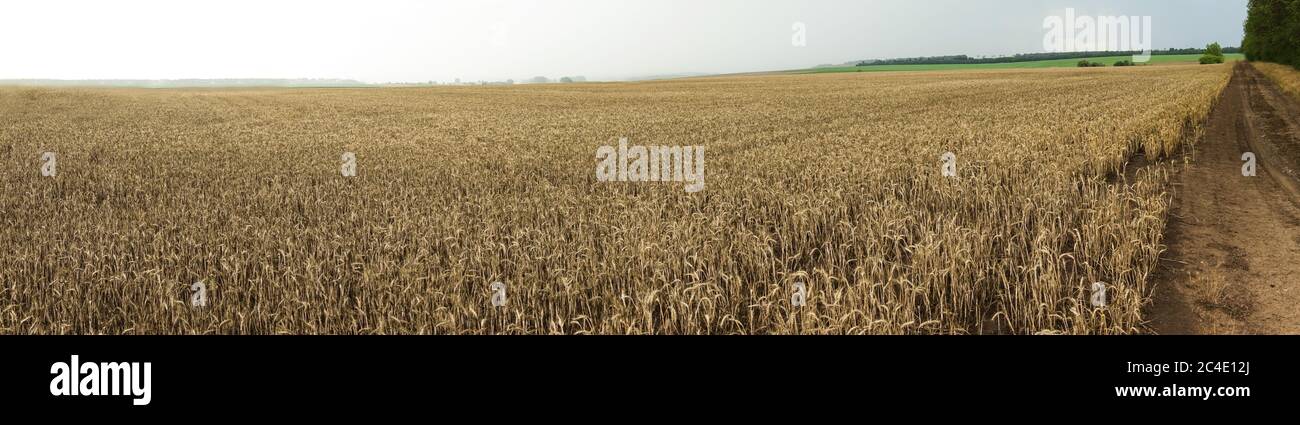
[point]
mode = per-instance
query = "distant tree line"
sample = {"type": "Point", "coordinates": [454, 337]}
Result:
{"type": "Point", "coordinates": [1029, 57]}
{"type": "Point", "coordinates": [1273, 31]}
{"type": "Point", "coordinates": [1090, 64]}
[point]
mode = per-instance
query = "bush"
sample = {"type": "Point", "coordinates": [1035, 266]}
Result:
{"type": "Point", "coordinates": [1214, 49]}
{"type": "Point", "coordinates": [1125, 63]}
{"type": "Point", "coordinates": [1213, 54]}
{"type": "Point", "coordinates": [1086, 64]}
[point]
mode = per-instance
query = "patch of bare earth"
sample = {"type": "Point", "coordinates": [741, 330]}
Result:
{"type": "Point", "coordinates": [1233, 263]}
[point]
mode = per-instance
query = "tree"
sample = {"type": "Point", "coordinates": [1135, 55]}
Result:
{"type": "Point", "coordinates": [1273, 31]}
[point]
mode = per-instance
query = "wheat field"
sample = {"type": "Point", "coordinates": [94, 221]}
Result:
{"type": "Point", "coordinates": [829, 182]}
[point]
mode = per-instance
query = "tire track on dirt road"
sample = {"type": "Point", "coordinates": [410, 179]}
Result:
{"type": "Point", "coordinates": [1233, 263]}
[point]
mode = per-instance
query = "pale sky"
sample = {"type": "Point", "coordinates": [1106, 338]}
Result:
{"type": "Point", "coordinates": [397, 40]}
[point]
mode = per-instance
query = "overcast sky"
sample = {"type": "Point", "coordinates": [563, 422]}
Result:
{"type": "Point", "coordinates": [395, 40]}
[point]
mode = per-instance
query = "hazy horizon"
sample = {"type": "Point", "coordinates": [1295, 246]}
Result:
{"type": "Point", "coordinates": [408, 41]}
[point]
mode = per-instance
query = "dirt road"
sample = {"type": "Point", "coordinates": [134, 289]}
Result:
{"type": "Point", "coordinates": [1233, 264]}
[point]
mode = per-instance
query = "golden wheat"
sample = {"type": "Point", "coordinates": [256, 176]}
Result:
{"type": "Point", "coordinates": [833, 181]}
{"type": "Point", "coordinates": [1286, 77]}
